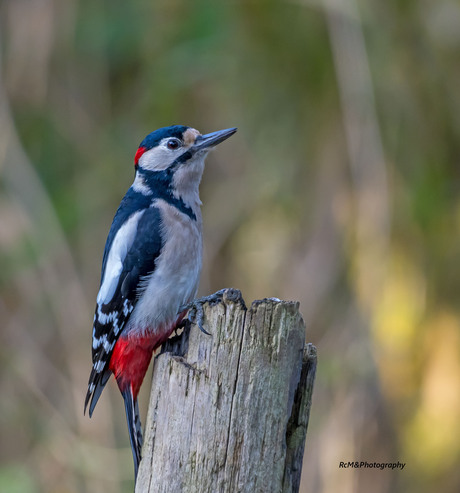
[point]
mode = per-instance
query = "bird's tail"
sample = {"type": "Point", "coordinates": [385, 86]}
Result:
{"type": "Point", "coordinates": [134, 426]}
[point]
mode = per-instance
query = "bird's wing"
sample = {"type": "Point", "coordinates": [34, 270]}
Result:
{"type": "Point", "coordinates": [131, 251]}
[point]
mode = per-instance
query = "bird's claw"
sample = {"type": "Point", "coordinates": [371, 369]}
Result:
{"type": "Point", "coordinates": [195, 308]}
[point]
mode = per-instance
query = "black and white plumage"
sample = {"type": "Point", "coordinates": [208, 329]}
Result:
{"type": "Point", "coordinates": [151, 264]}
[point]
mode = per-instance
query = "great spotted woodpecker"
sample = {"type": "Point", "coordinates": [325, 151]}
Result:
{"type": "Point", "coordinates": [151, 264]}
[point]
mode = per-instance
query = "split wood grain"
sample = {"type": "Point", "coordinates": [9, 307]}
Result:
{"type": "Point", "coordinates": [229, 412]}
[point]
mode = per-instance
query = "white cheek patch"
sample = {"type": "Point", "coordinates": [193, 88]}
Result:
{"type": "Point", "coordinates": [118, 251]}
{"type": "Point", "coordinates": [160, 157]}
{"type": "Point", "coordinates": [156, 159]}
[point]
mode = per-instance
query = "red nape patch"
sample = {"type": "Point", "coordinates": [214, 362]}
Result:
{"type": "Point", "coordinates": [138, 155]}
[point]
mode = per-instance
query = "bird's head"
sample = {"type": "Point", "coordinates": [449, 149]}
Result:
{"type": "Point", "coordinates": [179, 150]}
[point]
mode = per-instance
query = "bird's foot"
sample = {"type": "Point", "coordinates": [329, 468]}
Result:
{"type": "Point", "coordinates": [195, 308]}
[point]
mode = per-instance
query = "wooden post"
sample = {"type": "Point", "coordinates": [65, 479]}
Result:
{"type": "Point", "coordinates": [229, 412]}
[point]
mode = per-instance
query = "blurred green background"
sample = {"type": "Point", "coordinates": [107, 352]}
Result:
{"type": "Point", "coordinates": [341, 190]}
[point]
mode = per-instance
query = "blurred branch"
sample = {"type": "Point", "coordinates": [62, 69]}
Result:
{"type": "Point", "coordinates": [59, 283]}
{"type": "Point", "coordinates": [365, 149]}
{"type": "Point", "coordinates": [59, 275]}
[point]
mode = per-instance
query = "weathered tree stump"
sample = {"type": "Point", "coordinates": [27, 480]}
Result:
{"type": "Point", "coordinates": [229, 412]}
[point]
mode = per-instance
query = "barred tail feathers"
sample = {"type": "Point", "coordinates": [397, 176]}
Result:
{"type": "Point", "coordinates": [96, 384]}
{"type": "Point", "coordinates": [134, 426]}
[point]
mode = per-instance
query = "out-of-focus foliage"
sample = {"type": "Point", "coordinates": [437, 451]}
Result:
{"type": "Point", "coordinates": [341, 190]}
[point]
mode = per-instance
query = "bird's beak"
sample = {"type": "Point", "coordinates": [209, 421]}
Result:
{"type": "Point", "coordinates": [207, 141]}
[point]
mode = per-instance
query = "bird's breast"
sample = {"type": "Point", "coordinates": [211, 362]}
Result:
{"type": "Point", "coordinates": [174, 282]}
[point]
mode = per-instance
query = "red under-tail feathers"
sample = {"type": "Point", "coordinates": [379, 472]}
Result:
{"type": "Point", "coordinates": [130, 359]}
{"type": "Point", "coordinates": [132, 354]}
{"type": "Point", "coordinates": [129, 363]}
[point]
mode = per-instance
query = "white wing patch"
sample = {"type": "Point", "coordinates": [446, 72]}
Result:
{"type": "Point", "coordinates": [107, 345]}
{"type": "Point", "coordinates": [120, 247]}
{"type": "Point", "coordinates": [127, 308]}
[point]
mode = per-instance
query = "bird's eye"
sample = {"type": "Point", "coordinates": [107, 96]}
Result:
{"type": "Point", "coordinates": [173, 144]}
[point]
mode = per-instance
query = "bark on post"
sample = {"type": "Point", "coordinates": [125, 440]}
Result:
{"type": "Point", "coordinates": [229, 412]}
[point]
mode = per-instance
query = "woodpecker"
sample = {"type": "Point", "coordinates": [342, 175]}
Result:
{"type": "Point", "coordinates": [151, 265]}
